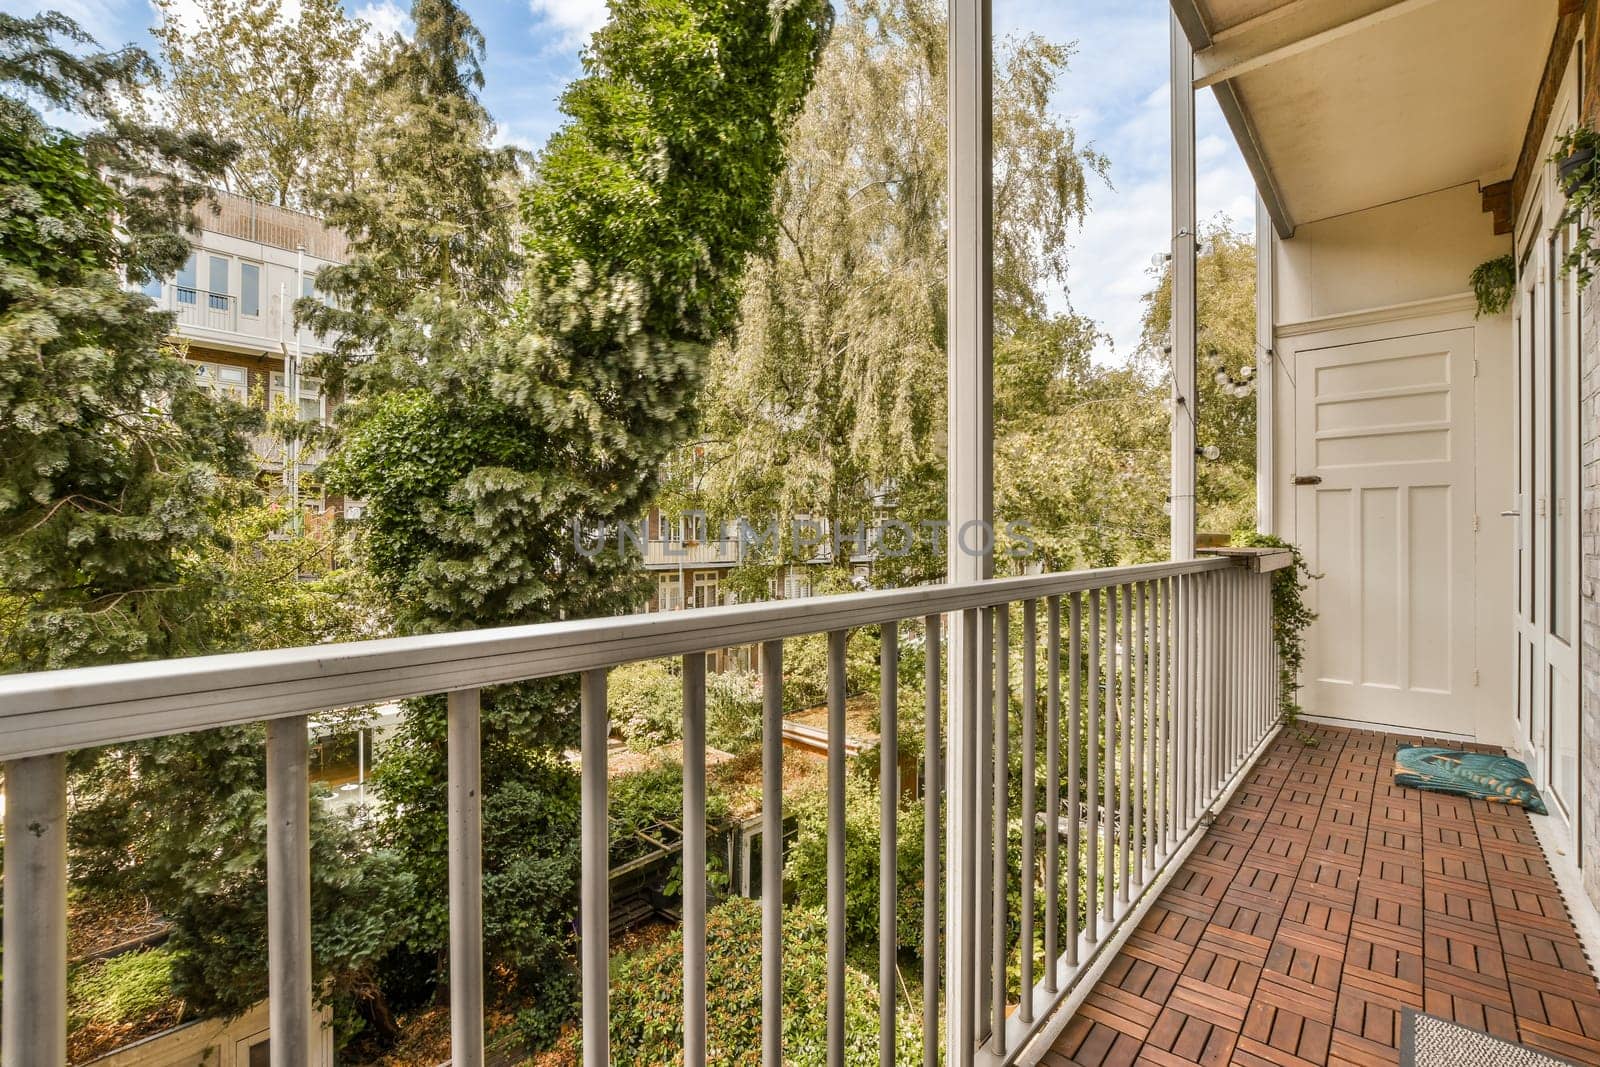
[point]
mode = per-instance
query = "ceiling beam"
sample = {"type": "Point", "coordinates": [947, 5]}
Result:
{"type": "Point", "coordinates": [1289, 30]}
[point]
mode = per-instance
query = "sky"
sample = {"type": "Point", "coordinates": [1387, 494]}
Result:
{"type": "Point", "coordinates": [1114, 95]}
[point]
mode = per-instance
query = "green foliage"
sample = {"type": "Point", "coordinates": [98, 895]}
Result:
{"type": "Point", "coordinates": [805, 668]}
{"type": "Point", "coordinates": [202, 865]}
{"type": "Point", "coordinates": [113, 463]}
{"type": "Point", "coordinates": [430, 221]}
{"type": "Point", "coordinates": [1290, 619]}
{"type": "Point", "coordinates": [645, 799]}
{"type": "Point", "coordinates": [273, 78]}
{"type": "Point", "coordinates": [829, 399]}
{"type": "Point", "coordinates": [122, 988]}
{"type": "Point", "coordinates": [1582, 186]}
{"type": "Point", "coordinates": [806, 873]}
{"type": "Point", "coordinates": [1494, 283]}
{"type": "Point", "coordinates": [647, 997]}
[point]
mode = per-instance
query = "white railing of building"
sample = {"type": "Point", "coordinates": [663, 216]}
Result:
{"type": "Point", "coordinates": [211, 311]}
{"type": "Point", "coordinates": [1169, 692]}
{"type": "Point", "coordinates": [659, 553]}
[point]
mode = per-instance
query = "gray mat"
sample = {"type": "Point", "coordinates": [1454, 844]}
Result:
{"type": "Point", "coordinates": [1429, 1041]}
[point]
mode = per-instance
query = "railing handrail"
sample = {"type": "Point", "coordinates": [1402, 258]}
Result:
{"type": "Point", "coordinates": [56, 711]}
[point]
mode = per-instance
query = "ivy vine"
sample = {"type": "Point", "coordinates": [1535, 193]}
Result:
{"type": "Point", "coordinates": [1290, 618]}
{"type": "Point", "coordinates": [1576, 153]}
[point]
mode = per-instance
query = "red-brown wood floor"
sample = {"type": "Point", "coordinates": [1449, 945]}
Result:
{"type": "Point", "coordinates": [1322, 901]}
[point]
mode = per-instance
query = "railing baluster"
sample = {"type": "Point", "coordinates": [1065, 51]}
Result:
{"type": "Point", "coordinates": [288, 891]}
{"type": "Point", "coordinates": [1125, 783]}
{"type": "Point", "coordinates": [1091, 843]}
{"type": "Point", "coordinates": [1184, 753]}
{"type": "Point", "coordinates": [694, 857]}
{"type": "Point", "coordinates": [1074, 768]}
{"type": "Point", "coordinates": [595, 896]}
{"type": "Point", "coordinates": [1030, 783]}
{"type": "Point", "coordinates": [931, 786]}
{"type": "Point", "coordinates": [888, 832]}
{"type": "Point", "coordinates": [1108, 861]}
{"type": "Point", "coordinates": [983, 800]}
{"type": "Point", "coordinates": [836, 846]}
{"type": "Point", "coordinates": [772, 854]}
{"type": "Point", "coordinates": [463, 755]}
{"type": "Point", "coordinates": [1141, 720]}
{"type": "Point", "coordinates": [1168, 758]}
{"type": "Point", "coordinates": [33, 1021]}
{"type": "Point", "coordinates": [998, 910]}
{"type": "Point", "coordinates": [1052, 795]}
{"type": "Point", "coordinates": [963, 830]}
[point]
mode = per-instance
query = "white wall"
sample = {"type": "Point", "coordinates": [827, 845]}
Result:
{"type": "Point", "coordinates": [1397, 270]}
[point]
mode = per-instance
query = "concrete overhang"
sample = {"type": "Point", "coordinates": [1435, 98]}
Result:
{"type": "Point", "coordinates": [1340, 105]}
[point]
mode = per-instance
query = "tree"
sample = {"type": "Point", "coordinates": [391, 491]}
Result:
{"type": "Point", "coordinates": [1225, 282]}
{"type": "Point", "coordinates": [430, 221]}
{"type": "Point", "coordinates": [274, 84]}
{"type": "Point", "coordinates": [527, 421]}
{"type": "Point", "coordinates": [114, 464]}
{"type": "Point", "coordinates": [830, 398]}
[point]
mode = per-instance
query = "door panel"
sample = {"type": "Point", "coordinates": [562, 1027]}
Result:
{"type": "Point", "coordinates": [1387, 427]}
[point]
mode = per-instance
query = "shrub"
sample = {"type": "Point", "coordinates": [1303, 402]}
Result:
{"type": "Point", "coordinates": [122, 988]}
{"type": "Point", "coordinates": [805, 668]}
{"type": "Point", "coordinates": [733, 710]}
{"type": "Point", "coordinates": [647, 997]}
{"type": "Point", "coordinates": [807, 869]}
{"type": "Point", "coordinates": [646, 703]}
{"type": "Point", "coordinates": [640, 800]}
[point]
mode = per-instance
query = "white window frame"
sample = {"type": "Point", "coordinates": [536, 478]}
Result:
{"type": "Point", "coordinates": [310, 389]}
{"type": "Point", "coordinates": [224, 380]}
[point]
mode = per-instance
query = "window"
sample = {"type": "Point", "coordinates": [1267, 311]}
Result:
{"type": "Point", "coordinates": [249, 288]}
{"type": "Point", "coordinates": [152, 288]}
{"type": "Point", "coordinates": [224, 381]}
{"type": "Point", "coordinates": [185, 280]}
{"type": "Point", "coordinates": [217, 296]}
{"type": "Point", "coordinates": [669, 594]}
{"type": "Point", "coordinates": [310, 396]}
{"type": "Point", "coordinates": [705, 589]}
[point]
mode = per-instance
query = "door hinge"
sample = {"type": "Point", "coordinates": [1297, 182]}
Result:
{"type": "Point", "coordinates": [1474, 676]}
{"type": "Point", "coordinates": [1474, 366]}
{"type": "Point", "coordinates": [1474, 524]}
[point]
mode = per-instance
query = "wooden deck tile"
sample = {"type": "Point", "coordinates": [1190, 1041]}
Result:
{"type": "Point", "coordinates": [1321, 902]}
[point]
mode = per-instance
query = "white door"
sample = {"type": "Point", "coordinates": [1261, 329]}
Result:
{"type": "Point", "coordinates": [1384, 505]}
{"type": "Point", "coordinates": [1545, 512]}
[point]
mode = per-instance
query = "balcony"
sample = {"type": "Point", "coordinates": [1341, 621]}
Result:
{"type": "Point", "coordinates": [1134, 697]}
{"type": "Point", "coordinates": [206, 310]}
{"type": "Point", "coordinates": [661, 554]}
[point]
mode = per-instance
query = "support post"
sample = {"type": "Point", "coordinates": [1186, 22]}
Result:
{"type": "Point", "coordinates": [970, 488]}
{"type": "Point", "coordinates": [33, 1022]}
{"type": "Point", "coordinates": [1184, 226]}
{"type": "Point", "coordinates": [463, 755]}
{"type": "Point", "coordinates": [289, 892]}
{"type": "Point", "coordinates": [1266, 387]}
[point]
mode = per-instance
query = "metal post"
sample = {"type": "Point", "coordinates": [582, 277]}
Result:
{"type": "Point", "coordinates": [594, 901]}
{"type": "Point", "coordinates": [930, 848]}
{"type": "Point", "coordinates": [33, 1022]}
{"type": "Point", "coordinates": [888, 834]}
{"type": "Point", "coordinates": [694, 856]}
{"type": "Point", "coordinates": [465, 772]}
{"type": "Point", "coordinates": [1184, 226]}
{"type": "Point", "coordinates": [1266, 388]}
{"type": "Point", "coordinates": [772, 854]}
{"type": "Point", "coordinates": [289, 892]}
{"type": "Point", "coordinates": [970, 487]}
{"type": "Point", "coordinates": [836, 847]}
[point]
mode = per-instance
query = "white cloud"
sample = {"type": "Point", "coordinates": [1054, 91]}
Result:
{"type": "Point", "coordinates": [384, 19]}
{"type": "Point", "coordinates": [573, 20]}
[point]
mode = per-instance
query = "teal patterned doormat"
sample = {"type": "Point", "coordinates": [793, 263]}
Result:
{"type": "Point", "coordinates": [1480, 775]}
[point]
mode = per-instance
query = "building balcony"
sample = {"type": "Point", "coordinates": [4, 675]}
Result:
{"type": "Point", "coordinates": [661, 554]}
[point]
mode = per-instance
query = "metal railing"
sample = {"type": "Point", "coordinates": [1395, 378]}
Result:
{"type": "Point", "coordinates": [1157, 686]}
{"type": "Point", "coordinates": [660, 553]}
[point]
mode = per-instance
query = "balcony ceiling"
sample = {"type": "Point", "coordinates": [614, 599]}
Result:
{"type": "Point", "coordinates": [1345, 104]}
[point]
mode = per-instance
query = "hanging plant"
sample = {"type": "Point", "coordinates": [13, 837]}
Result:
{"type": "Point", "coordinates": [1493, 282]}
{"type": "Point", "coordinates": [1575, 158]}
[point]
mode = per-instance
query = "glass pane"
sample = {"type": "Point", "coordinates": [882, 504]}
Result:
{"type": "Point", "coordinates": [249, 289]}
{"type": "Point", "coordinates": [261, 1054]}
{"type": "Point", "coordinates": [186, 279]}
{"type": "Point", "coordinates": [152, 288]}
{"type": "Point", "coordinates": [753, 873]}
{"type": "Point", "coordinates": [1563, 444]}
{"type": "Point", "coordinates": [310, 409]}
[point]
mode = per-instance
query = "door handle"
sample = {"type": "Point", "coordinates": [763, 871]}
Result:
{"type": "Point", "coordinates": [1510, 514]}
{"type": "Point", "coordinates": [1308, 479]}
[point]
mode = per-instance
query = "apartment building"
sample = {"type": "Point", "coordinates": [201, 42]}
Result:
{"type": "Point", "coordinates": [234, 306]}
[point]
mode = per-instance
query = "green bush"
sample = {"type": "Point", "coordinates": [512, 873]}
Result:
{"type": "Point", "coordinates": [805, 668]}
{"type": "Point", "coordinates": [733, 710]}
{"type": "Point", "coordinates": [807, 869]}
{"type": "Point", "coordinates": [640, 800]}
{"type": "Point", "coordinates": [122, 988]}
{"type": "Point", "coordinates": [646, 703]}
{"type": "Point", "coordinates": [647, 997]}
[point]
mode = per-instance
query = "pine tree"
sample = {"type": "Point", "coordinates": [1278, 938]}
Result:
{"type": "Point", "coordinates": [429, 216]}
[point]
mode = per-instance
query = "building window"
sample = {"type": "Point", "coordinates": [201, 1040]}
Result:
{"type": "Point", "coordinates": [705, 589]}
{"type": "Point", "coordinates": [217, 296]}
{"type": "Point", "coordinates": [311, 405]}
{"type": "Point", "coordinates": [185, 280]}
{"type": "Point", "coordinates": [249, 288]}
{"type": "Point", "coordinates": [669, 592]}
{"type": "Point", "coordinates": [224, 381]}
